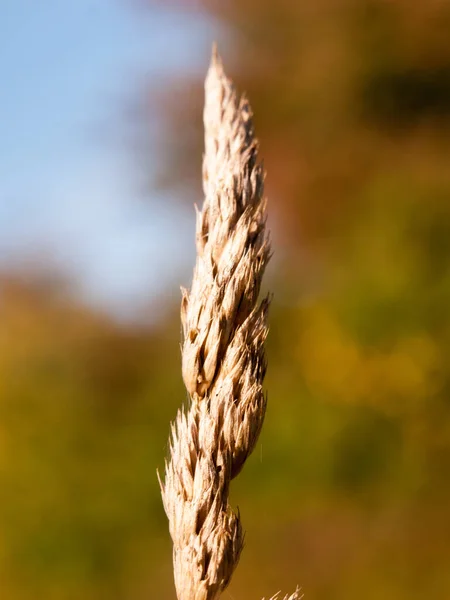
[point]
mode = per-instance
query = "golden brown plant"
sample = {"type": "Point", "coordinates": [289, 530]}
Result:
{"type": "Point", "coordinates": [223, 363]}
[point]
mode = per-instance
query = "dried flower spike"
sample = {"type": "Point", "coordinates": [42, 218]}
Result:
{"type": "Point", "coordinates": [223, 363]}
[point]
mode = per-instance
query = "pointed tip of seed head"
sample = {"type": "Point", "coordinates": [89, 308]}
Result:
{"type": "Point", "coordinates": [216, 64]}
{"type": "Point", "coordinates": [215, 57]}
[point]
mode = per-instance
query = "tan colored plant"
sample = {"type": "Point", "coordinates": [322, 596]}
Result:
{"type": "Point", "coordinates": [223, 363]}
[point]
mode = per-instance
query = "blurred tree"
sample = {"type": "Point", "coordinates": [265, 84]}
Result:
{"type": "Point", "coordinates": [82, 430]}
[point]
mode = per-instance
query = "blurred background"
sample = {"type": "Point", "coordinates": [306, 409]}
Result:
{"type": "Point", "coordinates": [348, 492]}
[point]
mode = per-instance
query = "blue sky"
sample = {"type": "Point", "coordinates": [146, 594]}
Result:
{"type": "Point", "coordinates": [69, 196]}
